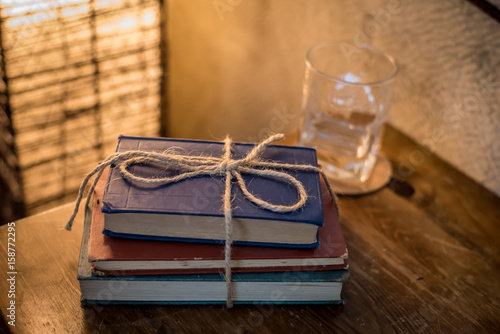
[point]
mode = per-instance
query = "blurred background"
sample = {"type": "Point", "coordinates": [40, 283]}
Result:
{"type": "Point", "coordinates": [77, 73]}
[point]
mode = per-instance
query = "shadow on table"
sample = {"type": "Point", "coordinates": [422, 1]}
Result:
{"type": "Point", "coordinates": [208, 318]}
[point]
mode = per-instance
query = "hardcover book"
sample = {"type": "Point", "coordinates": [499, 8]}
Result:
{"type": "Point", "coordinates": [191, 210]}
{"type": "Point", "coordinates": [118, 256]}
{"type": "Point", "coordinates": [300, 287]}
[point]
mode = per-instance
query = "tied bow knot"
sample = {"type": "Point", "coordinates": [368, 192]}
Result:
{"type": "Point", "coordinates": [225, 166]}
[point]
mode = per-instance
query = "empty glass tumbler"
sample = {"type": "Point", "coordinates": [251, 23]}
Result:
{"type": "Point", "coordinates": [346, 99]}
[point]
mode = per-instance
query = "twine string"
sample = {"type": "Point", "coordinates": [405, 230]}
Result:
{"type": "Point", "coordinates": [225, 167]}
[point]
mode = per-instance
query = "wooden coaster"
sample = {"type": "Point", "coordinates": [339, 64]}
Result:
{"type": "Point", "coordinates": [381, 175]}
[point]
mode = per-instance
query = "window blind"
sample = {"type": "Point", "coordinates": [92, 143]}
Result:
{"type": "Point", "coordinates": [11, 199]}
{"type": "Point", "coordinates": [80, 73]}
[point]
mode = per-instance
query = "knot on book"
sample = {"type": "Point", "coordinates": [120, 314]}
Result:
{"type": "Point", "coordinates": [226, 167]}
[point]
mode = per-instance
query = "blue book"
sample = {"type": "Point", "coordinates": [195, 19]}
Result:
{"type": "Point", "coordinates": [191, 210]}
{"type": "Point", "coordinates": [294, 287]}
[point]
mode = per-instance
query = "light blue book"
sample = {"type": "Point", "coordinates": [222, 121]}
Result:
{"type": "Point", "coordinates": [299, 287]}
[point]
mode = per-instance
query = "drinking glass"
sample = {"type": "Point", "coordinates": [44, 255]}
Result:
{"type": "Point", "coordinates": [346, 99]}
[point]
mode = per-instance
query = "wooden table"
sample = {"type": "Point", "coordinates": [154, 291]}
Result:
{"type": "Point", "coordinates": [426, 262]}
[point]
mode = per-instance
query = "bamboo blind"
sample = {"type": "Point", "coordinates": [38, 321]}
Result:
{"type": "Point", "coordinates": [79, 72]}
{"type": "Point", "coordinates": [11, 199]}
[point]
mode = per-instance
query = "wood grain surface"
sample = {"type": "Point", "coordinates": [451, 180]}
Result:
{"type": "Point", "coordinates": [427, 262]}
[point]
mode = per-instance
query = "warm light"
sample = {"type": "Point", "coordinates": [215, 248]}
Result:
{"type": "Point", "coordinates": [106, 3]}
{"type": "Point", "coordinates": [28, 12]}
{"type": "Point", "coordinates": [80, 73]}
{"type": "Point", "coordinates": [72, 11]}
{"type": "Point", "coordinates": [148, 17]}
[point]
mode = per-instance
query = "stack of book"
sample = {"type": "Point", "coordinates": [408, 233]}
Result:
{"type": "Point", "coordinates": [164, 245]}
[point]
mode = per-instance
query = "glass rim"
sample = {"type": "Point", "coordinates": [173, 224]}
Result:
{"type": "Point", "coordinates": [366, 46]}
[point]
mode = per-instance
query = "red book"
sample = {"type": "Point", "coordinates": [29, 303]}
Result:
{"type": "Point", "coordinates": [119, 256]}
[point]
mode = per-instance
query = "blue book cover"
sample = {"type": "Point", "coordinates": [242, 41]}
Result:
{"type": "Point", "coordinates": [293, 287]}
{"type": "Point", "coordinates": [202, 196]}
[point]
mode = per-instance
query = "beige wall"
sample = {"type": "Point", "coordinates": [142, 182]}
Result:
{"type": "Point", "coordinates": [236, 68]}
